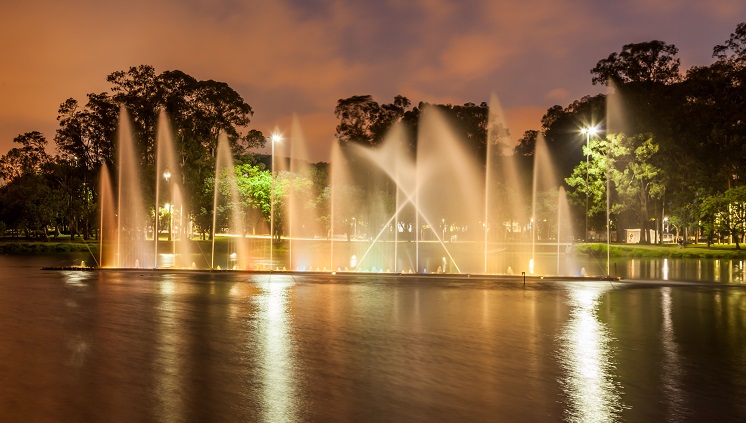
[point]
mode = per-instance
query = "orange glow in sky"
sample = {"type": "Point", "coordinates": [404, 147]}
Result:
{"type": "Point", "coordinates": [300, 56]}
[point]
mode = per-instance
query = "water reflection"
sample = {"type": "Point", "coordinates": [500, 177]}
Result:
{"type": "Point", "coordinates": [76, 278]}
{"type": "Point", "coordinates": [672, 370]}
{"type": "Point", "coordinates": [169, 361]}
{"type": "Point", "coordinates": [681, 269]}
{"type": "Point", "coordinates": [274, 335]}
{"type": "Point", "coordinates": [587, 357]}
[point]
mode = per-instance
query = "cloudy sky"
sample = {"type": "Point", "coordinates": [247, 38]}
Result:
{"type": "Point", "coordinates": [299, 57]}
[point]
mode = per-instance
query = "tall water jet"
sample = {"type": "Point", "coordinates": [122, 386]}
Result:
{"type": "Point", "coordinates": [392, 175]}
{"type": "Point", "coordinates": [449, 189]}
{"type": "Point", "coordinates": [544, 180]}
{"type": "Point", "coordinates": [301, 214]}
{"type": "Point", "coordinates": [564, 230]}
{"type": "Point", "coordinates": [169, 180]}
{"type": "Point", "coordinates": [132, 220]}
{"type": "Point", "coordinates": [346, 203]}
{"type": "Point", "coordinates": [108, 221]}
{"type": "Point", "coordinates": [226, 189]}
{"type": "Point", "coordinates": [497, 135]}
{"type": "Point", "coordinates": [510, 207]}
{"type": "Point", "coordinates": [615, 123]}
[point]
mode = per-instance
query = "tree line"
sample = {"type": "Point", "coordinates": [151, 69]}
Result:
{"type": "Point", "coordinates": [671, 144]}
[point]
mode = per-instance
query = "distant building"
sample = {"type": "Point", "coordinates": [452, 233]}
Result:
{"type": "Point", "coordinates": [632, 236]}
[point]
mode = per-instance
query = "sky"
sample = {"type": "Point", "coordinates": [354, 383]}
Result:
{"type": "Point", "coordinates": [298, 57]}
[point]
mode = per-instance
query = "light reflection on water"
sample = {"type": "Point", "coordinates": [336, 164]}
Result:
{"type": "Point", "coordinates": [678, 269]}
{"type": "Point", "coordinates": [276, 350]}
{"type": "Point", "coordinates": [169, 360]}
{"type": "Point", "coordinates": [587, 354]}
{"type": "Point", "coordinates": [672, 371]}
{"type": "Point", "coordinates": [196, 346]}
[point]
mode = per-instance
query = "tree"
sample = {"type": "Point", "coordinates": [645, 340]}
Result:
{"type": "Point", "coordinates": [637, 179]}
{"type": "Point", "coordinates": [588, 180]}
{"type": "Point", "coordinates": [735, 45]}
{"type": "Point", "coordinates": [357, 116]}
{"type": "Point", "coordinates": [198, 110]}
{"type": "Point", "coordinates": [527, 144]}
{"type": "Point", "coordinates": [30, 158]}
{"type": "Point", "coordinates": [630, 163]}
{"type": "Point", "coordinates": [85, 135]}
{"type": "Point", "coordinates": [31, 204]}
{"type": "Point", "coordinates": [726, 213]}
{"type": "Point", "coordinates": [649, 62]}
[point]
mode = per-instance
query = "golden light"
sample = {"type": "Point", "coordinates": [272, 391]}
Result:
{"type": "Point", "coordinates": [592, 130]}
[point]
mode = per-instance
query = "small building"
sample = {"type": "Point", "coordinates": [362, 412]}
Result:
{"type": "Point", "coordinates": [632, 236]}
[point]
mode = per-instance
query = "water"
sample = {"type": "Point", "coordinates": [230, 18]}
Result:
{"type": "Point", "coordinates": [140, 345]}
{"type": "Point", "coordinates": [443, 191]}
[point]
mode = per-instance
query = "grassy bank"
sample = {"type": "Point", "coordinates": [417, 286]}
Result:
{"type": "Point", "coordinates": [723, 251]}
{"type": "Point", "coordinates": [61, 245]}
{"type": "Point", "coordinates": [65, 245]}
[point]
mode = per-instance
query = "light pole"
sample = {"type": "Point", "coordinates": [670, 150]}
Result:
{"type": "Point", "coordinates": [587, 131]}
{"type": "Point", "coordinates": [167, 177]}
{"type": "Point", "coordinates": [275, 138]}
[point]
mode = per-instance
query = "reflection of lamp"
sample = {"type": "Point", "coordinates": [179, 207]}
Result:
{"type": "Point", "coordinates": [275, 138]}
{"type": "Point", "coordinates": [587, 132]}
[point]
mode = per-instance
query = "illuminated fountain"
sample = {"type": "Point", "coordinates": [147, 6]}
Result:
{"type": "Point", "coordinates": [458, 205]}
{"type": "Point", "coordinates": [126, 245]}
{"type": "Point", "coordinates": [168, 187]}
{"type": "Point", "coordinates": [401, 208]}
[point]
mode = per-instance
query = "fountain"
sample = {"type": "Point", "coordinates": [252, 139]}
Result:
{"type": "Point", "coordinates": [429, 208]}
{"type": "Point", "coordinates": [131, 219]}
{"type": "Point", "coordinates": [169, 181]}
{"type": "Point", "coordinates": [225, 181]}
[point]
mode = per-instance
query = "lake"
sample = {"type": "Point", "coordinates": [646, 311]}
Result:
{"type": "Point", "coordinates": [142, 345]}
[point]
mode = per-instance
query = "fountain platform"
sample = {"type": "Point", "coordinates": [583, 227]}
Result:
{"type": "Point", "coordinates": [349, 274]}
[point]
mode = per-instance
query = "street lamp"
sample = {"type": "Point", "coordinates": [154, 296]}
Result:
{"type": "Point", "coordinates": [167, 177]}
{"type": "Point", "coordinates": [587, 131]}
{"type": "Point", "coordinates": [275, 138]}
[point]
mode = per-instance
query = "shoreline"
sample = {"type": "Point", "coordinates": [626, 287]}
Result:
{"type": "Point", "coordinates": [700, 251]}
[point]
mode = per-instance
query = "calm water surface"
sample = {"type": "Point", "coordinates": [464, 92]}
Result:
{"type": "Point", "coordinates": [157, 346]}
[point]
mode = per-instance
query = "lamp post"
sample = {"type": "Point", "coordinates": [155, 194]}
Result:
{"type": "Point", "coordinates": [275, 138]}
{"type": "Point", "coordinates": [587, 131]}
{"type": "Point", "coordinates": [167, 177]}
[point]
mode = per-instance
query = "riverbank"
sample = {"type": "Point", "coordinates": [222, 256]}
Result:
{"type": "Point", "coordinates": [720, 251]}
{"type": "Point", "coordinates": [61, 245]}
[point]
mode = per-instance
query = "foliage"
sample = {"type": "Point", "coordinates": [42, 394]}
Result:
{"type": "Point", "coordinates": [726, 213]}
{"type": "Point", "coordinates": [30, 158]}
{"type": "Point", "coordinates": [685, 157]}
{"type": "Point", "coordinates": [363, 121]}
{"type": "Point", "coordinates": [647, 62]}
{"type": "Point", "coordinates": [31, 204]}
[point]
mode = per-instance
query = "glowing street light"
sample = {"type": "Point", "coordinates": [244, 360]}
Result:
{"type": "Point", "coordinates": [587, 131]}
{"type": "Point", "coordinates": [274, 139]}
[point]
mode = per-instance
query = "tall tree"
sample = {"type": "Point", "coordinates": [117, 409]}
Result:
{"type": "Point", "coordinates": [651, 62]}
{"type": "Point", "coordinates": [637, 179]}
{"type": "Point", "coordinates": [29, 158]}
{"type": "Point", "coordinates": [726, 212]}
